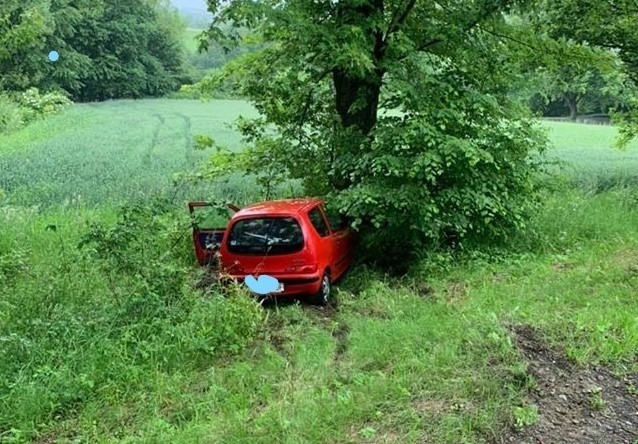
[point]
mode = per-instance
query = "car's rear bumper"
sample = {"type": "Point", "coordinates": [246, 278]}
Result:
{"type": "Point", "coordinates": [294, 285]}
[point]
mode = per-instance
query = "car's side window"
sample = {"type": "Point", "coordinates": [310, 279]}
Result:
{"type": "Point", "coordinates": [318, 222]}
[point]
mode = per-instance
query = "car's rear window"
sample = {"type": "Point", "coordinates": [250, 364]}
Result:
{"type": "Point", "coordinates": [266, 235]}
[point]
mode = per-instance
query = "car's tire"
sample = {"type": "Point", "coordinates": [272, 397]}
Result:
{"type": "Point", "coordinates": [322, 297]}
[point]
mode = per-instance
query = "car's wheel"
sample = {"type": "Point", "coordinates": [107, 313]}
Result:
{"type": "Point", "coordinates": [323, 295]}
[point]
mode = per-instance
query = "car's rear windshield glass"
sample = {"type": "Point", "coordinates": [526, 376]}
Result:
{"type": "Point", "coordinates": [267, 235]}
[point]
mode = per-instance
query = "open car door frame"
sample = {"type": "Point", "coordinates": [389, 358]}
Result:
{"type": "Point", "coordinates": [207, 240]}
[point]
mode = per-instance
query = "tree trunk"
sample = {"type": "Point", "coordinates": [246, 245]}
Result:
{"type": "Point", "coordinates": [572, 102]}
{"type": "Point", "coordinates": [357, 97]}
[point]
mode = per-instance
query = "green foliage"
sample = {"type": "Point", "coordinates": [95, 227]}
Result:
{"type": "Point", "coordinates": [12, 262]}
{"type": "Point", "coordinates": [596, 401]}
{"type": "Point", "coordinates": [586, 89]}
{"type": "Point", "coordinates": [136, 51]}
{"type": "Point", "coordinates": [108, 49]}
{"type": "Point", "coordinates": [24, 26]}
{"type": "Point", "coordinates": [525, 416]}
{"type": "Point", "coordinates": [606, 25]}
{"type": "Point", "coordinates": [210, 55]}
{"type": "Point", "coordinates": [123, 251]}
{"type": "Point", "coordinates": [11, 115]}
{"type": "Point", "coordinates": [37, 105]}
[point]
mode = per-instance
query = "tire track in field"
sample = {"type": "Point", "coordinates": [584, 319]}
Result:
{"type": "Point", "coordinates": [188, 143]}
{"type": "Point", "coordinates": [148, 154]}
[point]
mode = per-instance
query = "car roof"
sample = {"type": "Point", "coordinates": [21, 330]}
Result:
{"type": "Point", "coordinates": [275, 207]}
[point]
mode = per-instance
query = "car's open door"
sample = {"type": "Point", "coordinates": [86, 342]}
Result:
{"type": "Point", "coordinates": [209, 225]}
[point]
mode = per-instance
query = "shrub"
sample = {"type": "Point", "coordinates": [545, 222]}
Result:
{"type": "Point", "coordinates": [19, 109]}
{"type": "Point", "coordinates": [36, 105]}
{"type": "Point", "coordinates": [149, 265]}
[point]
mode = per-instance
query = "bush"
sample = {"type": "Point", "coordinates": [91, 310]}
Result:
{"type": "Point", "coordinates": [20, 109]}
{"type": "Point", "coordinates": [36, 105]}
{"type": "Point", "coordinates": [149, 265]}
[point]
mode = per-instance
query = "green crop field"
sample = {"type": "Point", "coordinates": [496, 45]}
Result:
{"type": "Point", "coordinates": [111, 343]}
{"type": "Point", "coordinates": [590, 160]}
{"type": "Point", "coordinates": [106, 153]}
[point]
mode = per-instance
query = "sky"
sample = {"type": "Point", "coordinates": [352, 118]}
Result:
{"type": "Point", "coordinates": [190, 4]}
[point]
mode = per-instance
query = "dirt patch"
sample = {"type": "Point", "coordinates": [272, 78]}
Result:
{"type": "Point", "coordinates": [628, 260]}
{"type": "Point", "coordinates": [421, 288]}
{"type": "Point", "coordinates": [430, 407]}
{"type": "Point", "coordinates": [373, 434]}
{"type": "Point", "coordinates": [499, 277]}
{"type": "Point", "coordinates": [372, 311]}
{"type": "Point", "coordinates": [321, 314]}
{"type": "Point", "coordinates": [575, 404]}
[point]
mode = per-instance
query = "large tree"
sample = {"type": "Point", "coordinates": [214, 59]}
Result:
{"type": "Point", "coordinates": [584, 88]}
{"type": "Point", "coordinates": [398, 110]}
{"type": "Point", "coordinates": [135, 48]}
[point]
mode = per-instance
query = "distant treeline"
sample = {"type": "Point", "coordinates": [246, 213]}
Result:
{"type": "Point", "coordinates": [108, 48]}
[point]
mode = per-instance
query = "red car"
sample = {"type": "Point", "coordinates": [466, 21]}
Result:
{"type": "Point", "coordinates": [294, 241]}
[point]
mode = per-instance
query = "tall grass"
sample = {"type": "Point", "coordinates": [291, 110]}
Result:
{"type": "Point", "coordinates": [81, 328]}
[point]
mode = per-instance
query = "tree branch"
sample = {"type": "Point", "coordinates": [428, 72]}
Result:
{"type": "Point", "coordinates": [398, 19]}
{"type": "Point", "coordinates": [526, 44]}
{"type": "Point", "coordinates": [509, 37]}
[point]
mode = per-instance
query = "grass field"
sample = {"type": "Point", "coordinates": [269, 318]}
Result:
{"type": "Point", "coordinates": [96, 355]}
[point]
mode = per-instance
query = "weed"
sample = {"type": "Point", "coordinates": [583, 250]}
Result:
{"type": "Point", "coordinates": [525, 416]}
{"type": "Point", "coordinates": [596, 401]}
